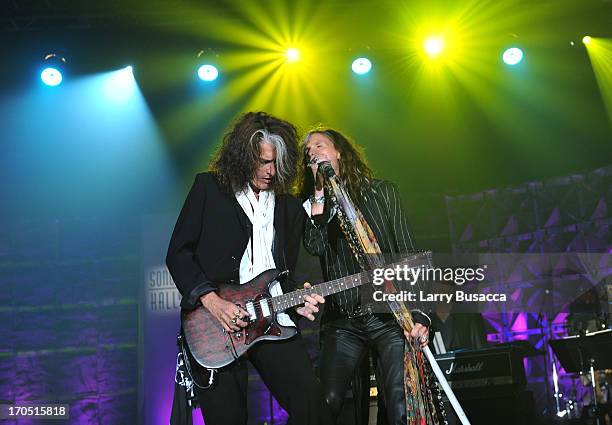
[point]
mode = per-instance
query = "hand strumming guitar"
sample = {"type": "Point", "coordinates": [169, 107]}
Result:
{"type": "Point", "coordinates": [227, 313]}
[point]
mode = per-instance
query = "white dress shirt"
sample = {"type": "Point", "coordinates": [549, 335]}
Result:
{"type": "Point", "coordinates": [258, 257]}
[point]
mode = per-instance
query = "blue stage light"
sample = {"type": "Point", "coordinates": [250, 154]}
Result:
{"type": "Point", "coordinates": [361, 66]}
{"type": "Point", "coordinates": [51, 76]}
{"type": "Point", "coordinates": [512, 56]}
{"type": "Point", "coordinates": [208, 72]}
{"type": "Point", "coordinates": [120, 85]}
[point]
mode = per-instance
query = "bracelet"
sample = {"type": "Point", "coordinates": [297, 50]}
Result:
{"type": "Point", "coordinates": [317, 199]}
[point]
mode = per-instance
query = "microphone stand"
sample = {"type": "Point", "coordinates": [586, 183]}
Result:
{"type": "Point", "coordinates": [326, 168]}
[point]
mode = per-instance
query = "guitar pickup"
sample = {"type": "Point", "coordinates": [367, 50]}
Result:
{"type": "Point", "coordinates": [250, 308]}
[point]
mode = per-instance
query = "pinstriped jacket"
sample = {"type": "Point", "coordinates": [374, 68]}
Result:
{"type": "Point", "coordinates": [382, 208]}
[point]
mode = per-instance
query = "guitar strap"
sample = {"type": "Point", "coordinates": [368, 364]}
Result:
{"type": "Point", "coordinates": [184, 375]}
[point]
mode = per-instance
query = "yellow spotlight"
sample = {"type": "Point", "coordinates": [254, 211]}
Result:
{"type": "Point", "coordinates": [293, 55]}
{"type": "Point", "coordinates": [433, 46]}
{"type": "Point", "coordinates": [586, 39]}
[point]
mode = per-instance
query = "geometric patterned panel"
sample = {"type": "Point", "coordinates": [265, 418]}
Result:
{"type": "Point", "coordinates": [567, 214]}
{"type": "Point", "coordinates": [546, 211]}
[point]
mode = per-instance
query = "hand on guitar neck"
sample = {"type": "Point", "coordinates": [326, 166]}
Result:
{"type": "Point", "coordinates": [310, 305]}
{"type": "Point", "coordinates": [227, 313]}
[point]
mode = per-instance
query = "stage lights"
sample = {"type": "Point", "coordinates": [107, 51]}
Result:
{"type": "Point", "coordinates": [441, 45]}
{"type": "Point", "coordinates": [599, 50]}
{"type": "Point", "coordinates": [207, 70]}
{"type": "Point", "coordinates": [120, 85]}
{"type": "Point", "coordinates": [434, 46]}
{"type": "Point", "coordinates": [292, 54]}
{"type": "Point", "coordinates": [129, 70]}
{"type": "Point", "coordinates": [51, 74]}
{"type": "Point", "coordinates": [512, 56]}
{"type": "Point", "coordinates": [361, 66]}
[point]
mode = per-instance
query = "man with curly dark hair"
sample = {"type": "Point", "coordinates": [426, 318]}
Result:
{"type": "Point", "coordinates": [238, 221]}
{"type": "Point", "coordinates": [349, 327]}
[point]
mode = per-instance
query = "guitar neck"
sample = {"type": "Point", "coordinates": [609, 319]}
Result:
{"type": "Point", "coordinates": [291, 299]}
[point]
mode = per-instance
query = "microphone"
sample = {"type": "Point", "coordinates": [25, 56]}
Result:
{"type": "Point", "coordinates": [327, 169]}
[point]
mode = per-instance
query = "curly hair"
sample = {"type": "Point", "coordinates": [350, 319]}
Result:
{"type": "Point", "coordinates": [236, 160]}
{"type": "Point", "coordinates": [353, 168]}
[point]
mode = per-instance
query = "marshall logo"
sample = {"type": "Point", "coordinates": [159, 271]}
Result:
{"type": "Point", "coordinates": [160, 292]}
{"type": "Point", "coordinates": [464, 368]}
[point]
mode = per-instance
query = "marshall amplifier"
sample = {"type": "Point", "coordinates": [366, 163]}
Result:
{"type": "Point", "coordinates": [490, 385]}
{"type": "Point", "coordinates": [489, 367]}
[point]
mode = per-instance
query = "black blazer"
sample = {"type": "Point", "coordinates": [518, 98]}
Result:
{"type": "Point", "coordinates": [211, 235]}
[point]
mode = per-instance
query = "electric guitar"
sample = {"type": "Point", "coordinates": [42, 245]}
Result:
{"type": "Point", "coordinates": [213, 347]}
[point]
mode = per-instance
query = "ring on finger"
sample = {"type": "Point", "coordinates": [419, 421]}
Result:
{"type": "Point", "coordinates": [234, 320]}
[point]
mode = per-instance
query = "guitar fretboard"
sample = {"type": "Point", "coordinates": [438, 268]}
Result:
{"type": "Point", "coordinates": [285, 301]}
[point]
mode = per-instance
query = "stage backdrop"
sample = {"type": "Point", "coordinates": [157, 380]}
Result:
{"type": "Point", "coordinates": [567, 214]}
{"type": "Point", "coordinates": [160, 321]}
{"type": "Point", "coordinates": [69, 316]}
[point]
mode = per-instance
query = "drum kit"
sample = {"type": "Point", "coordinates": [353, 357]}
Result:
{"type": "Point", "coordinates": [586, 357]}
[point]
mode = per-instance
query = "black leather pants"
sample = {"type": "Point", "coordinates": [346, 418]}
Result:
{"type": "Point", "coordinates": [344, 342]}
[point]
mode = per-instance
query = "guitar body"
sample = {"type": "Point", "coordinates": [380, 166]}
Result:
{"type": "Point", "coordinates": [212, 346]}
